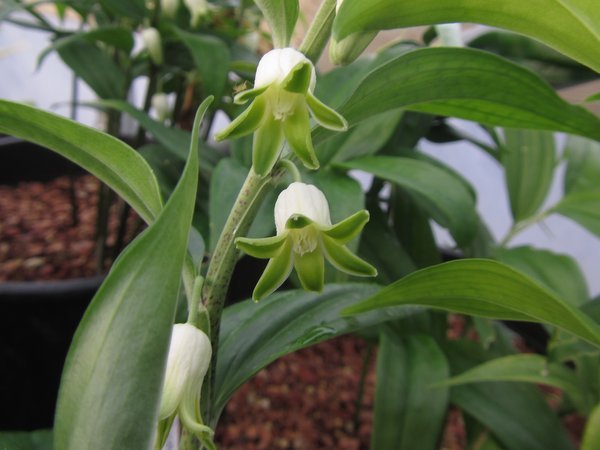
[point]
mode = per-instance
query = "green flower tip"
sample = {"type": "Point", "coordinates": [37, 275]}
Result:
{"type": "Point", "coordinates": [305, 238]}
{"type": "Point", "coordinates": [282, 102]}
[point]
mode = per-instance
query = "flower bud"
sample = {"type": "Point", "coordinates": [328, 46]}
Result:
{"type": "Point", "coordinates": [450, 34]}
{"type": "Point", "coordinates": [169, 8]}
{"type": "Point", "coordinates": [153, 44]}
{"type": "Point", "coordinates": [300, 198]}
{"type": "Point", "coordinates": [189, 357]}
{"type": "Point", "coordinates": [351, 47]}
{"type": "Point", "coordinates": [198, 9]}
{"type": "Point", "coordinates": [160, 103]}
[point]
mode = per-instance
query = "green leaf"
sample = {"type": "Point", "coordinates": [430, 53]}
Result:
{"type": "Point", "coordinates": [95, 67]}
{"type": "Point", "coordinates": [583, 165]}
{"type": "Point", "coordinates": [529, 159]}
{"type": "Point", "coordinates": [483, 288]}
{"type": "Point", "coordinates": [26, 440]}
{"type": "Point", "coordinates": [111, 160]}
{"type": "Point", "coordinates": [116, 361]}
{"type": "Point", "coordinates": [554, 67]}
{"type": "Point", "coordinates": [583, 208]}
{"type": "Point", "coordinates": [529, 369]}
{"type": "Point", "coordinates": [409, 413]}
{"type": "Point", "coordinates": [117, 37]}
{"type": "Point", "coordinates": [444, 196]}
{"type": "Point", "coordinates": [469, 84]}
{"type": "Point", "coordinates": [516, 414]}
{"type": "Point", "coordinates": [282, 16]}
{"type": "Point", "coordinates": [255, 334]}
{"type": "Point", "coordinates": [559, 273]}
{"type": "Point", "coordinates": [211, 57]}
{"type": "Point", "coordinates": [578, 20]}
{"type": "Point", "coordinates": [176, 140]}
{"type": "Point", "coordinates": [133, 9]}
{"type": "Point", "coordinates": [591, 435]}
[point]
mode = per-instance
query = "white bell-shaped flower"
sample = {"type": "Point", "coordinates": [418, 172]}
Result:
{"type": "Point", "coordinates": [305, 237]}
{"type": "Point", "coordinates": [198, 9]}
{"type": "Point", "coordinates": [189, 357]}
{"type": "Point", "coordinates": [281, 100]}
{"type": "Point", "coordinates": [153, 43]}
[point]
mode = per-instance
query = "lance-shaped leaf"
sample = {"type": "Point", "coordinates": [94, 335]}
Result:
{"type": "Point", "coordinates": [116, 361]}
{"type": "Point", "coordinates": [530, 369]}
{"type": "Point", "coordinates": [111, 160]}
{"type": "Point", "coordinates": [583, 208]}
{"type": "Point", "coordinates": [577, 20]}
{"type": "Point", "coordinates": [483, 288]}
{"type": "Point", "coordinates": [469, 84]}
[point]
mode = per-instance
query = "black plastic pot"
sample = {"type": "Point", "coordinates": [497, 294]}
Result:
{"type": "Point", "coordinates": [37, 319]}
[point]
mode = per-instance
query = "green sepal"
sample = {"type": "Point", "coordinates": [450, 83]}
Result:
{"type": "Point", "coordinates": [324, 115]}
{"type": "Point", "coordinates": [297, 221]}
{"type": "Point", "coordinates": [298, 80]}
{"type": "Point", "coordinates": [246, 122]}
{"type": "Point", "coordinates": [296, 128]}
{"type": "Point", "coordinates": [249, 94]}
{"type": "Point", "coordinates": [276, 272]}
{"type": "Point", "coordinates": [262, 248]}
{"type": "Point", "coordinates": [268, 140]}
{"type": "Point", "coordinates": [346, 261]}
{"type": "Point", "coordinates": [346, 230]}
{"type": "Point", "coordinates": [310, 268]}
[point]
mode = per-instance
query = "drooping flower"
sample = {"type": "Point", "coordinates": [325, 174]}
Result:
{"type": "Point", "coordinates": [198, 9]}
{"type": "Point", "coordinates": [305, 236]}
{"type": "Point", "coordinates": [281, 100]}
{"type": "Point", "coordinates": [153, 43]}
{"type": "Point", "coordinates": [189, 357]}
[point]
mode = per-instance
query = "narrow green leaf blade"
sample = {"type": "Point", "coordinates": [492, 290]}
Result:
{"type": "Point", "coordinates": [591, 435]}
{"type": "Point", "coordinates": [527, 368]}
{"type": "Point", "coordinates": [111, 160]}
{"type": "Point", "coordinates": [446, 198]}
{"type": "Point", "coordinates": [483, 288]}
{"type": "Point", "coordinates": [409, 411]}
{"type": "Point", "coordinates": [211, 57]}
{"type": "Point", "coordinates": [469, 84]}
{"type": "Point", "coordinates": [516, 414]}
{"type": "Point", "coordinates": [583, 165]}
{"type": "Point", "coordinates": [583, 208]}
{"type": "Point", "coordinates": [560, 273]}
{"type": "Point", "coordinates": [111, 383]}
{"type": "Point", "coordinates": [578, 20]}
{"type": "Point", "coordinates": [282, 16]}
{"type": "Point", "coordinates": [529, 159]}
{"type": "Point", "coordinates": [95, 67]}
{"type": "Point", "coordinates": [255, 334]}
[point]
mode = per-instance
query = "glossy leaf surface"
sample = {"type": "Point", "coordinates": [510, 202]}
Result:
{"type": "Point", "coordinates": [483, 288]}
{"type": "Point", "coordinates": [108, 158]}
{"type": "Point", "coordinates": [577, 20]}
{"type": "Point", "coordinates": [445, 197]}
{"type": "Point", "coordinates": [116, 361]}
{"type": "Point", "coordinates": [468, 84]}
{"type": "Point", "coordinates": [409, 411]}
{"type": "Point", "coordinates": [255, 334]}
{"type": "Point", "coordinates": [529, 158]}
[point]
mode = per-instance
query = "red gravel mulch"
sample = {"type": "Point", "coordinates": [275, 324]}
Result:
{"type": "Point", "coordinates": [37, 238]}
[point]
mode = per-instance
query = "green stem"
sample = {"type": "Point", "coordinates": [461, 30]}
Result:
{"type": "Point", "coordinates": [522, 225]}
{"type": "Point", "coordinates": [223, 261]}
{"type": "Point", "coordinates": [319, 32]}
{"type": "Point", "coordinates": [291, 168]}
